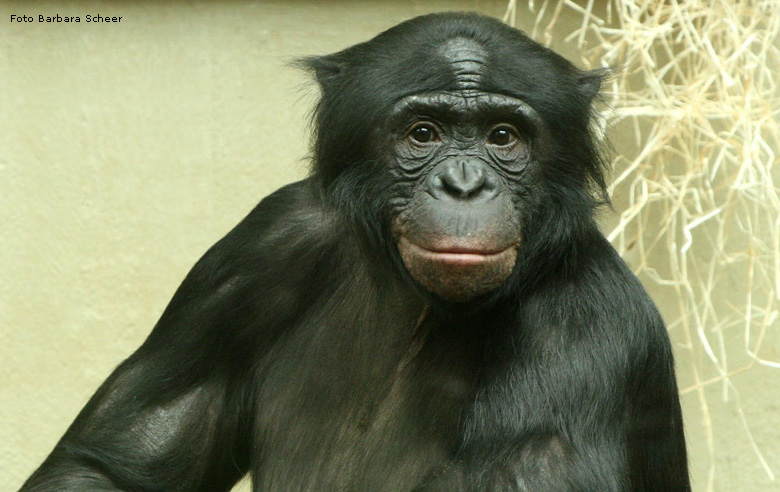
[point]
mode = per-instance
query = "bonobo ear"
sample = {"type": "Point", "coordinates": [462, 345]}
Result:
{"type": "Point", "coordinates": [590, 82]}
{"type": "Point", "coordinates": [326, 69]}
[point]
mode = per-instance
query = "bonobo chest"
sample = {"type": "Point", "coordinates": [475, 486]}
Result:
{"type": "Point", "coordinates": [363, 414]}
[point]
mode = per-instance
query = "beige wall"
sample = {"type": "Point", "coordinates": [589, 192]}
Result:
{"type": "Point", "coordinates": [127, 149]}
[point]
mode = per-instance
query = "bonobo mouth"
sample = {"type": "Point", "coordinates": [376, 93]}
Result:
{"type": "Point", "coordinates": [458, 272]}
{"type": "Point", "coordinates": [459, 255]}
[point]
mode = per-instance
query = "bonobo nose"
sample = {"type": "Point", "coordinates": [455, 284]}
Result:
{"type": "Point", "coordinates": [463, 180]}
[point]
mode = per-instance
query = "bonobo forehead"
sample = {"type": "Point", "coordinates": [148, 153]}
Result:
{"type": "Point", "coordinates": [466, 105]}
{"type": "Point", "coordinates": [452, 51]}
{"type": "Point", "coordinates": [468, 61]}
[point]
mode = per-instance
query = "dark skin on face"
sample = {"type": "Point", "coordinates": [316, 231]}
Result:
{"type": "Point", "coordinates": [465, 150]}
{"type": "Point", "coordinates": [459, 231]}
{"type": "Point", "coordinates": [433, 310]}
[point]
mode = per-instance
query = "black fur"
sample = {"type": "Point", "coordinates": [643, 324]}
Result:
{"type": "Point", "coordinates": [304, 349]}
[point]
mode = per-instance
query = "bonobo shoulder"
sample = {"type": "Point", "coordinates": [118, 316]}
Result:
{"type": "Point", "coordinates": [620, 291]}
{"type": "Point", "coordinates": [284, 212]}
{"type": "Point", "coordinates": [289, 218]}
{"type": "Point", "coordinates": [284, 229]}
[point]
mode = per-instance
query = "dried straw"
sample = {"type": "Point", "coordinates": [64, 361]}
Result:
{"type": "Point", "coordinates": [697, 86]}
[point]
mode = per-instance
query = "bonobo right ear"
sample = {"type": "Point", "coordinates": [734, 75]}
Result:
{"type": "Point", "coordinates": [327, 69]}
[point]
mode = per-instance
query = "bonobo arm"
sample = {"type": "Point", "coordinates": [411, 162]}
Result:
{"type": "Point", "coordinates": [175, 415]}
{"type": "Point", "coordinates": [656, 441]}
{"type": "Point", "coordinates": [125, 440]}
{"type": "Point", "coordinates": [159, 422]}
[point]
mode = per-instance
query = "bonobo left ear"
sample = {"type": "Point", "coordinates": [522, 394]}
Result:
{"type": "Point", "coordinates": [590, 82]}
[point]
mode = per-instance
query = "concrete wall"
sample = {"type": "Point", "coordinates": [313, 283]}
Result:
{"type": "Point", "coordinates": [126, 150]}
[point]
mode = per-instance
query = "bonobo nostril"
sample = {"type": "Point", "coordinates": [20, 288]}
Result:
{"type": "Point", "coordinates": [462, 179]}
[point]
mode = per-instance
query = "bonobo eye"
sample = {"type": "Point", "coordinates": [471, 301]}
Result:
{"type": "Point", "coordinates": [423, 133]}
{"type": "Point", "coordinates": [503, 135]}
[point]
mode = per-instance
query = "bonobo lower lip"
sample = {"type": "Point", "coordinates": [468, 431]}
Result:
{"type": "Point", "coordinates": [457, 255]}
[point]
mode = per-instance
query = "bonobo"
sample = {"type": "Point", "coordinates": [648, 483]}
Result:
{"type": "Point", "coordinates": [433, 309]}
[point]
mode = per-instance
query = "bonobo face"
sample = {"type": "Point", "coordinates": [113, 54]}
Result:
{"type": "Point", "coordinates": [468, 143]}
{"type": "Point", "coordinates": [461, 157]}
